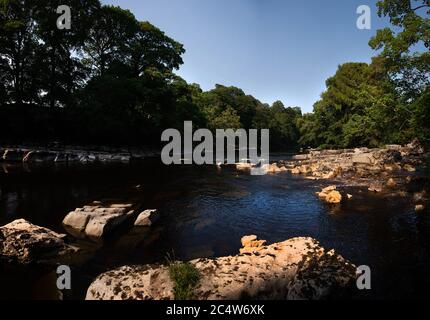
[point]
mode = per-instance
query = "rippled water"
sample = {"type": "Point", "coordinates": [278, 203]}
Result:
{"type": "Point", "coordinates": [205, 212]}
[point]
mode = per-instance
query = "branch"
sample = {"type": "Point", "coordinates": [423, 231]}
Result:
{"type": "Point", "coordinates": [420, 7]}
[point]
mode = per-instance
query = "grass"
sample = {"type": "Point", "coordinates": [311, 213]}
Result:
{"type": "Point", "coordinates": [185, 277]}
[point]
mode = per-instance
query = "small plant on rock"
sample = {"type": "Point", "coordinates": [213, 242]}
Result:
{"type": "Point", "coordinates": [185, 277]}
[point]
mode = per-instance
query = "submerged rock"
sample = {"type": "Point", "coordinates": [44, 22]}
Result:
{"type": "Point", "coordinates": [24, 242]}
{"type": "Point", "coordinates": [298, 268]}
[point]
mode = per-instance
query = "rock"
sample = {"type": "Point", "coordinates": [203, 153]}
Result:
{"type": "Point", "coordinates": [71, 154]}
{"type": "Point", "coordinates": [334, 197]}
{"type": "Point", "coordinates": [298, 268]}
{"type": "Point", "coordinates": [395, 147]}
{"type": "Point", "coordinates": [330, 195]}
{"type": "Point", "coordinates": [250, 244]}
{"type": "Point", "coordinates": [375, 187]}
{"type": "Point", "coordinates": [301, 157]}
{"type": "Point", "coordinates": [23, 242]}
{"type": "Point", "coordinates": [392, 167]}
{"type": "Point", "coordinates": [365, 158]}
{"type": "Point", "coordinates": [419, 207]}
{"type": "Point", "coordinates": [409, 168]}
{"type": "Point", "coordinates": [330, 175]}
{"type": "Point", "coordinates": [295, 171]}
{"type": "Point", "coordinates": [246, 240]}
{"type": "Point", "coordinates": [147, 218]}
{"type": "Point", "coordinates": [420, 196]}
{"type": "Point", "coordinates": [391, 183]}
{"type": "Point", "coordinates": [96, 220]}
{"type": "Point", "coordinates": [273, 168]}
{"type": "Point", "coordinates": [243, 166]}
{"type": "Point", "coordinates": [349, 196]}
{"type": "Point", "coordinates": [360, 163]}
{"type": "Point", "coordinates": [414, 148]}
{"type": "Point", "coordinates": [312, 178]}
{"type": "Point", "coordinates": [328, 189]}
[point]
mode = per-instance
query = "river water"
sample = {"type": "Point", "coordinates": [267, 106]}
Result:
{"type": "Point", "coordinates": [204, 213]}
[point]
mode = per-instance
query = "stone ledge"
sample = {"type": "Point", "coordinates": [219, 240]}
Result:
{"type": "Point", "coordinates": [295, 269]}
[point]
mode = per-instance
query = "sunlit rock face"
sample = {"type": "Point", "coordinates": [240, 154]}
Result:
{"type": "Point", "coordinates": [23, 242]}
{"type": "Point", "coordinates": [298, 268]}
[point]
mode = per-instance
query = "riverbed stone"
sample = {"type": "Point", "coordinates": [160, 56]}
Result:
{"type": "Point", "coordinates": [23, 242]}
{"type": "Point", "coordinates": [419, 207]}
{"type": "Point", "coordinates": [330, 195]}
{"type": "Point", "coordinates": [147, 218]}
{"type": "Point", "coordinates": [97, 219]}
{"type": "Point", "coordinates": [391, 183]}
{"type": "Point", "coordinates": [296, 269]}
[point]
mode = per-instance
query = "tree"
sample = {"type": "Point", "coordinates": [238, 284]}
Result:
{"type": "Point", "coordinates": [20, 50]}
{"type": "Point", "coordinates": [62, 72]}
{"type": "Point", "coordinates": [284, 133]}
{"type": "Point", "coordinates": [112, 32]}
{"type": "Point", "coordinates": [151, 48]}
{"type": "Point", "coordinates": [359, 107]}
{"type": "Point", "coordinates": [405, 48]}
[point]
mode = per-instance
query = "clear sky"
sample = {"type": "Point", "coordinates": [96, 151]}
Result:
{"type": "Point", "coordinates": [272, 49]}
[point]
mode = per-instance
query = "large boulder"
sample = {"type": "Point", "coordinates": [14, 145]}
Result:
{"type": "Point", "coordinates": [98, 219]}
{"type": "Point", "coordinates": [23, 242]}
{"type": "Point", "coordinates": [298, 268]}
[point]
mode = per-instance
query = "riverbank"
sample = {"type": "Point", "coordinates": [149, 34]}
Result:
{"type": "Point", "coordinates": [72, 154]}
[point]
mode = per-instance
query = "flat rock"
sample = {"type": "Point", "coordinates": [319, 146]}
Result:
{"type": "Point", "coordinates": [298, 268]}
{"type": "Point", "coordinates": [24, 242]}
{"type": "Point", "coordinates": [98, 219]}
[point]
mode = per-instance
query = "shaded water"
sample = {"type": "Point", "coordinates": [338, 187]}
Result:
{"type": "Point", "coordinates": [206, 211]}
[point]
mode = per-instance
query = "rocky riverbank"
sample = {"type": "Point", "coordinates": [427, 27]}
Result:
{"type": "Point", "coordinates": [356, 164]}
{"type": "Point", "coordinates": [73, 154]}
{"type": "Point", "coordinates": [390, 171]}
{"type": "Point", "coordinates": [298, 268]}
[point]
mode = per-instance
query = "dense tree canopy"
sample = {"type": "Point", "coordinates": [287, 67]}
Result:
{"type": "Point", "coordinates": [110, 79]}
{"type": "Point", "coordinates": [386, 101]}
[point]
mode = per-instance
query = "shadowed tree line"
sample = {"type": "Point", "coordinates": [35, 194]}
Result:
{"type": "Point", "coordinates": [111, 80]}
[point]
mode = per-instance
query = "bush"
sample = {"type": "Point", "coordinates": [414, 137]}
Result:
{"type": "Point", "coordinates": [185, 276]}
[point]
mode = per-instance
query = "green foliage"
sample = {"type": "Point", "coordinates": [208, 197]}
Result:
{"type": "Point", "coordinates": [405, 48]}
{"type": "Point", "coordinates": [230, 108]}
{"type": "Point", "coordinates": [185, 277]}
{"type": "Point", "coordinates": [111, 80]}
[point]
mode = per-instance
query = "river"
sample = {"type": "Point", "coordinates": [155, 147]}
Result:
{"type": "Point", "coordinates": [204, 213]}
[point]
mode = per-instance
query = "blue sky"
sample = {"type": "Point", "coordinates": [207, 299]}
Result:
{"type": "Point", "coordinates": [272, 49]}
